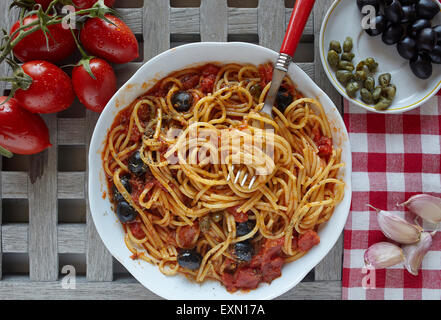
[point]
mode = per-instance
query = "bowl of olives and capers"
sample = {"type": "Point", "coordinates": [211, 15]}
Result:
{"type": "Point", "coordinates": [404, 42]}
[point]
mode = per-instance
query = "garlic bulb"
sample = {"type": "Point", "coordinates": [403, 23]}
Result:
{"type": "Point", "coordinates": [415, 253]}
{"type": "Point", "coordinates": [383, 255]}
{"type": "Point", "coordinates": [426, 206]}
{"type": "Point", "coordinates": [396, 228]}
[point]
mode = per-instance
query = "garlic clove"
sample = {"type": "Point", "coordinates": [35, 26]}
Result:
{"type": "Point", "coordinates": [415, 253]}
{"type": "Point", "coordinates": [426, 206]}
{"type": "Point", "coordinates": [383, 255]}
{"type": "Point", "coordinates": [396, 228]}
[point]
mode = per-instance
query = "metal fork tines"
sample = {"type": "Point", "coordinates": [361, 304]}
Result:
{"type": "Point", "coordinates": [244, 179]}
{"type": "Point", "coordinates": [280, 70]}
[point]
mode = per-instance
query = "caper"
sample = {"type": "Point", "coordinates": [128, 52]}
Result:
{"type": "Point", "coordinates": [351, 88]}
{"type": "Point", "coordinates": [344, 76]}
{"type": "Point", "coordinates": [204, 223]}
{"type": "Point", "coordinates": [347, 44]}
{"type": "Point", "coordinates": [217, 216]}
{"type": "Point", "coordinates": [369, 83]}
{"type": "Point", "coordinates": [389, 92]}
{"type": "Point", "coordinates": [371, 64]}
{"type": "Point", "coordinates": [345, 65]}
{"type": "Point", "coordinates": [335, 45]}
{"type": "Point", "coordinates": [348, 56]}
{"type": "Point", "coordinates": [360, 76]}
{"type": "Point", "coordinates": [366, 96]}
{"type": "Point", "coordinates": [333, 58]}
{"type": "Point", "coordinates": [377, 93]}
{"type": "Point", "coordinates": [256, 90]}
{"type": "Point", "coordinates": [360, 66]}
{"type": "Point", "coordinates": [384, 103]}
{"type": "Point", "coordinates": [384, 79]}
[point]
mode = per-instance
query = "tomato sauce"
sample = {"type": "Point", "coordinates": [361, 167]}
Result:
{"type": "Point", "coordinates": [265, 266]}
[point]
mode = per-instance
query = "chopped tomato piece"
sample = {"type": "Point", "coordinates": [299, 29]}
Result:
{"type": "Point", "coordinates": [136, 229]}
{"type": "Point", "coordinates": [324, 145]}
{"type": "Point", "coordinates": [207, 84]}
{"type": "Point", "coordinates": [247, 278]}
{"type": "Point", "coordinates": [186, 235]}
{"type": "Point", "coordinates": [264, 267]}
{"type": "Point", "coordinates": [238, 216]}
{"type": "Point", "coordinates": [307, 240]}
{"type": "Point", "coordinates": [210, 69]}
{"type": "Point", "coordinates": [190, 81]}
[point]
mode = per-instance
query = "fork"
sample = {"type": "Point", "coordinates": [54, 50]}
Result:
{"type": "Point", "coordinates": [300, 13]}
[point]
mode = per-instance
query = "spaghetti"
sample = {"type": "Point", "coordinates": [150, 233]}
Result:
{"type": "Point", "coordinates": [172, 157]}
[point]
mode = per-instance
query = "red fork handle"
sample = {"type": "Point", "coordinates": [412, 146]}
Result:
{"type": "Point", "coordinates": [300, 13]}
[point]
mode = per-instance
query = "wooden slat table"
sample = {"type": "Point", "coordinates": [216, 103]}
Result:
{"type": "Point", "coordinates": [47, 224]}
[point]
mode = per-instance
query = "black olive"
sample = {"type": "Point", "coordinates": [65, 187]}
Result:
{"type": "Point", "coordinates": [244, 250]}
{"type": "Point", "coordinates": [426, 39]}
{"type": "Point", "coordinates": [244, 228]}
{"type": "Point", "coordinates": [437, 30]}
{"type": "Point", "coordinates": [407, 48]}
{"type": "Point", "coordinates": [125, 212]}
{"type": "Point", "coordinates": [125, 181]}
{"type": "Point", "coordinates": [393, 34]}
{"type": "Point", "coordinates": [393, 11]}
{"type": "Point", "coordinates": [136, 165]}
{"type": "Point", "coordinates": [427, 9]}
{"type": "Point", "coordinates": [408, 2]}
{"type": "Point", "coordinates": [189, 259]}
{"type": "Point", "coordinates": [182, 101]}
{"type": "Point", "coordinates": [362, 3]}
{"type": "Point", "coordinates": [417, 26]}
{"type": "Point", "coordinates": [283, 99]}
{"type": "Point", "coordinates": [421, 66]}
{"type": "Point", "coordinates": [409, 14]}
{"type": "Point", "coordinates": [380, 26]}
{"type": "Point", "coordinates": [435, 54]}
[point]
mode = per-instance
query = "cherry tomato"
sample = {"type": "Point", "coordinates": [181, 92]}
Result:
{"type": "Point", "coordinates": [86, 4]}
{"type": "Point", "coordinates": [51, 89]}
{"type": "Point", "coordinates": [115, 43]}
{"type": "Point", "coordinates": [21, 132]}
{"type": "Point", "coordinates": [33, 46]}
{"type": "Point", "coordinates": [44, 3]}
{"type": "Point", "coordinates": [94, 93]}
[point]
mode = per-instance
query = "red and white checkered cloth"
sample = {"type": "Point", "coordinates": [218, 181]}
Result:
{"type": "Point", "coordinates": [393, 158]}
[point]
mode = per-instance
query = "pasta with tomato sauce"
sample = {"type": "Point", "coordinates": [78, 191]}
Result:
{"type": "Point", "coordinates": [178, 194]}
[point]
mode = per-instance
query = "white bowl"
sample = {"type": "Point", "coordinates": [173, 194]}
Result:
{"type": "Point", "coordinates": [342, 20]}
{"type": "Point", "coordinates": [111, 231]}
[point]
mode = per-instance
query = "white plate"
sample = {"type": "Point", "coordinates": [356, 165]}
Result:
{"type": "Point", "coordinates": [342, 20]}
{"type": "Point", "coordinates": [111, 231]}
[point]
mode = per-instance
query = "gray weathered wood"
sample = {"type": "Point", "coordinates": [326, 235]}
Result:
{"type": "Point", "coordinates": [14, 287]}
{"type": "Point", "coordinates": [70, 185]}
{"type": "Point", "coordinates": [99, 260]}
{"type": "Point", "coordinates": [272, 25]}
{"type": "Point", "coordinates": [71, 131]}
{"type": "Point", "coordinates": [214, 20]}
{"type": "Point", "coordinates": [156, 32]}
{"type": "Point", "coordinates": [331, 266]}
{"type": "Point", "coordinates": [71, 238]}
{"type": "Point", "coordinates": [43, 213]}
{"type": "Point", "coordinates": [43, 238]}
{"type": "Point", "coordinates": [6, 22]}
{"type": "Point", "coordinates": [188, 20]}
